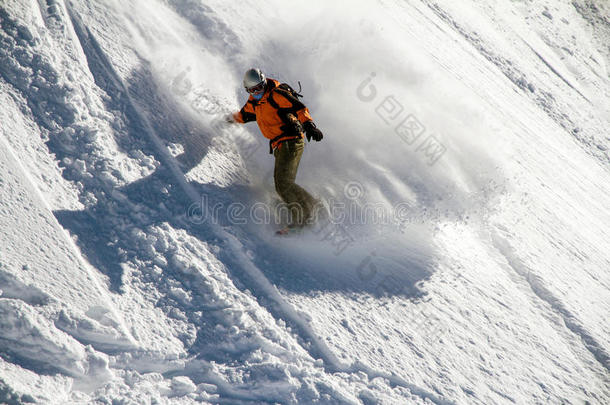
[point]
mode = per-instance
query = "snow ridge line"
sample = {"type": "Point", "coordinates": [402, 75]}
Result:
{"type": "Point", "coordinates": [398, 381]}
{"type": "Point", "coordinates": [131, 342]}
{"type": "Point", "coordinates": [234, 249]}
{"type": "Point", "coordinates": [566, 81]}
{"type": "Point", "coordinates": [538, 288]}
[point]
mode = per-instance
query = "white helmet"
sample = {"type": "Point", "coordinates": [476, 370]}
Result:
{"type": "Point", "coordinates": [253, 78]}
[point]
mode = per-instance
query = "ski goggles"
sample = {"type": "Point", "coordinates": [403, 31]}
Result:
{"type": "Point", "coordinates": [256, 89]}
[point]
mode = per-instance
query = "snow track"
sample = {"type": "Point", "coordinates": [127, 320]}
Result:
{"type": "Point", "coordinates": [539, 289]}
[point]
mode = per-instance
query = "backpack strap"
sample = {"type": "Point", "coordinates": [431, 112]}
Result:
{"type": "Point", "coordinates": [271, 100]}
{"type": "Point", "coordinates": [289, 93]}
{"type": "Point", "coordinates": [284, 112]}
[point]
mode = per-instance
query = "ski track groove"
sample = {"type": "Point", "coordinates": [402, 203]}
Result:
{"type": "Point", "coordinates": [234, 251]}
{"type": "Point", "coordinates": [548, 64]}
{"type": "Point", "coordinates": [540, 291]}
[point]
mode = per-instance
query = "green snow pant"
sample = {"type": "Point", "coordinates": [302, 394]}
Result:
{"type": "Point", "coordinates": [299, 201]}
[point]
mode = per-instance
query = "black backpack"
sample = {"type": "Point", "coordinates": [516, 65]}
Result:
{"type": "Point", "coordinates": [291, 94]}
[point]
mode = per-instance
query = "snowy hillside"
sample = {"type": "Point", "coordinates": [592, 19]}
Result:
{"type": "Point", "coordinates": [465, 163]}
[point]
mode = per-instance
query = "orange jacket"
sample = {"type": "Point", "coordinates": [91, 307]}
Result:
{"type": "Point", "coordinates": [273, 121]}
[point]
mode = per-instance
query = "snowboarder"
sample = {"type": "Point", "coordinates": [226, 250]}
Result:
{"type": "Point", "coordinates": [284, 120]}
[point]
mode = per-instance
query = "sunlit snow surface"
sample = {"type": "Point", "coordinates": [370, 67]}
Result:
{"type": "Point", "coordinates": [465, 167]}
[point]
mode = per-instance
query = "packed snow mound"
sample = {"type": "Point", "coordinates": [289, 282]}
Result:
{"type": "Point", "coordinates": [464, 169]}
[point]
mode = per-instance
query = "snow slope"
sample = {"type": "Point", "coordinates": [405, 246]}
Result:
{"type": "Point", "coordinates": [465, 163]}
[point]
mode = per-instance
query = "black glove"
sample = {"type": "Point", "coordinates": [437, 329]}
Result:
{"type": "Point", "coordinates": [294, 128]}
{"type": "Point", "coordinates": [312, 132]}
